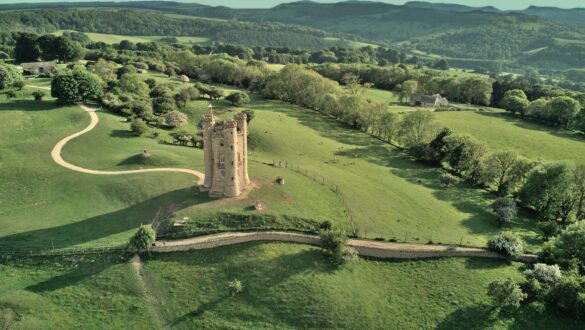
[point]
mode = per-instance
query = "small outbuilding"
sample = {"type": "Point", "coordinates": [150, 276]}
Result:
{"type": "Point", "coordinates": [430, 101]}
{"type": "Point", "coordinates": [184, 78]}
{"type": "Point", "coordinates": [39, 67]}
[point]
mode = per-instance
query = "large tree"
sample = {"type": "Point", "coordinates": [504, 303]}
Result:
{"type": "Point", "coordinates": [8, 76]}
{"type": "Point", "coordinates": [564, 109]}
{"type": "Point", "coordinates": [77, 85]}
{"type": "Point", "coordinates": [550, 190]}
{"type": "Point", "coordinates": [27, 48]}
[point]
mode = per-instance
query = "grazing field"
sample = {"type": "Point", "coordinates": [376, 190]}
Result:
{"type": "Point", "coordinates": [285, 285]}
{"type": "Point", "coordinates": [292, 286]}
{"type": "Point", "coordinates": [503, 131]}
{"type": "Point", "coordinates": [381, 96]}
{"type": "Point", "coordinates": [116, 38]}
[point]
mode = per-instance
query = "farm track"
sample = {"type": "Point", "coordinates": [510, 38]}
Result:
{"type": "Point", "coordinates": [94, 120]}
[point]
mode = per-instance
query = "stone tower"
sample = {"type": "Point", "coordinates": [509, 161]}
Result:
{"type": "Point", "coordinates": [225, 149]}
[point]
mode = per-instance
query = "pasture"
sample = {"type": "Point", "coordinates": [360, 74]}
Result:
{"type": "Point", "coordinates": [116, 38]}
{"type": "Point", "coordinates": [285, 285]}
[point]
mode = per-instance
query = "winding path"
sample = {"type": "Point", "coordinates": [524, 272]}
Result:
{"type": "Point", "coordinates": [56, 155]}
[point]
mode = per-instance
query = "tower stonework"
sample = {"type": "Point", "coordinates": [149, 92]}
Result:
{"type": "Point", "coordinates": [225, 150]}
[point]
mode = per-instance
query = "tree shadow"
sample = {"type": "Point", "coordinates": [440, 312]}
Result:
{"type": "Point", "coordinates": [532, 125]}
{"type": "Point", "coordinates": [199, 311]}
{"type": "Point", "coordinates": [105, 225]}
{"type": "Point", "coordinates": [81, 272]}
{"type": "Point", "coordinates": [471, 317]}
{"type": "Point", "coordinates": [29, 105]}
{"type": "Point", "coordinates": [122, 134]}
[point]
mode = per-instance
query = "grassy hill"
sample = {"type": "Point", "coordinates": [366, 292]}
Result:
{"type": "Point", "coordinates": [285, 285]}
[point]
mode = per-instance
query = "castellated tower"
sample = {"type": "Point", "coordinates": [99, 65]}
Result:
{"type": "Point", "coordinates": [225, 149]}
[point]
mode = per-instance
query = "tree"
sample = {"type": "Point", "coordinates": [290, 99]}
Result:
{"type": "Point", "coordinates": [215, 93]}
{"type": "Point", "coordinates": [515, 101]}
{"type": "Point", "coordinates": [138, 126]}
{"type": "Point", "coordinates": [238, 98]}
{"type": "Point", "coordinates": [8, 76]}
{"type": "Point", "coordinates": [170, 72]}
{"type": "Point", "coordinates": [352, 83]}
{"type": "Point", "coordinates": [78, 85]}
{"type": "Point", "coordinates": [464, 155]}
{"type": "Point", "coordinates": [437, 150]}
{"type": "Point", "coordinates": [104, 69]}
{"type": "Point", "coordinates": [507, 244]}
{"type": "Point", "coordinates": [133, 84]}
{"type": "Point", "coordinates": [143, 239]}
{"type": "Point", "coordinates": [333, 242]}
{"type": "Point", "coordinates": [27, 48]}
{"type": "Point", "coordinates": [59, 48]}
{"type": "Point", "coordinates": [38, 95]}
{"type": "Point", "coordinates": [409, 89]}
{"type": "Point", "coordinates": [418, 128]}
{"type": "Point", "coordinates": [176, 118]}
{"type": "Point", "coordinates": [579, 182]}
{"type": "Point", "coordinates": [564, 109]}
{"type": "Point", "coordinates": [550, 190]}
{"type": "Point", "coordinates": [506, 294]}
{"type": "Point", "coordinates": [567, 296]}
{"type": "Point", "coordinates": [163, 104]}
{"type": "Point", "coordinates": [505, 210]}
{"type": "Point", "coordinates": [567, 249]}
{"type": "Point", "coordinates": [539, 109]}
{"type": "Point", "coordinates": [498, 170]}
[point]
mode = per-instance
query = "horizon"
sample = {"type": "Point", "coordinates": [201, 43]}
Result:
{"type": "Point", "coordinates": [500, 4]}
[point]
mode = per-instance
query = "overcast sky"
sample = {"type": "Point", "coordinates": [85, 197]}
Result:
{"type": "Point", "coordinates": [502, 4]}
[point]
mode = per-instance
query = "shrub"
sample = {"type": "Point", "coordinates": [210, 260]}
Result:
{"type": "Point", "coordinates": [567, 249]}
{"type": "Point", "coordinates": [568, 296]}
{"type": "Point", "coordinates": [507, 244]}
{"type": "Point", "coordinates": [505, 210]}
{"type": "Point", "coordinates": [549, 274]}
{"type": "Point", "coordinates": [325, 225]}
{"type": "Point", "coordinates": [139, 127]}
{"type": "Point", "coordinates": [238, 98]}
{"type": "Point", "coordinates": [19, 84]}
{"type": "Point", "coordinates": [143, 238]}
{"type": "Point", "coordinates": [11, 95]}
{"type": "Point", "coordinates": [235, 286]}
{"type": "Point", "coordinates": [38, 95]}
{"type": "Point", "coordinates": [176, 118]}
{"type": "Point", "coordinates": [349, 254]}
{"type": "Point", "coordinates": [549, 229]}
{"type": "Point", "coordinates": [333, 242]}
{"type": "Point", "coordinates": [448, 179]}
{"type": "Point", "coordinates": [506, 294]}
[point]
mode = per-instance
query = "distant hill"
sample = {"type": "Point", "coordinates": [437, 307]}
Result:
{"type": "Point", "coordinates": [449, 6]}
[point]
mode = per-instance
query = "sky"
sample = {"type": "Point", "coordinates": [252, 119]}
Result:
{"type": "Point", "coordinates": [502, 4]}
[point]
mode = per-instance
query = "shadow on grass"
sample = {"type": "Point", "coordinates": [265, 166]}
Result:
{"type": "Point", "coordinates": [88, 230]}
{"type": "Point", "coordinates": [122, 134]}
{"type": "Point", "coordinates": [210, 305]}
{"type": "Point", "coordinates": [533, 125]}
{"type": "Point", "coordinates": [152, 160]}
{"type": "Point", "coordinates": [81, 272]}
{"type": "Point", "coordinates": [29, 105]}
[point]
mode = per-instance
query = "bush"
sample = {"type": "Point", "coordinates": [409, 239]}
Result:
{"type": "Point", "coordinates": [507, 244]}
{"type": "Point", "coordinates": [567, 249]}
{"type": "Point", "coordinates": [143, 238]}
{"type": "Point", "coordinates": [325, 225]}
{"type": "Point", "coordinates": [11, 95]}
{"type": "Point", "coordinates": [568, 296]}
{"type": "Point", "coordinates": [349, 254]}
{"type": "Point", "coordinates": [506, 294]}
{"type": "Point", "coordinates": [549, 274]}
{"type": "Point", "coordinates": [176, 118]}
{"type": "Point", "coordinates": [139, 127]}
{"type": "Point", "coordinates": [505, 210]}
{"type": "Point", "coordinates": [235, 286]}
{"type": "Point", "coordinates": [333, 242]}
{"type": "Point", "coordinates": [448, 179]}
{"type": "Point", "coordinates": [238, 98]}
{"type": "Point", "coordinates": [38, 95]}
{"type": "Point", "coordinates": [19, 84]}
{"type": "Point", "coordinates": [549, 229]}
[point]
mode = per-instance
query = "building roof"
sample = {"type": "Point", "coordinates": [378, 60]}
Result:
{"type": "Point", "coordinates": [36, 65]}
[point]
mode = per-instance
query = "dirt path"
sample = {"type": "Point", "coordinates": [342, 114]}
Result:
{"type": "Point", "coordinates": [365, 248]}
{"type": "Point", "coordinates": [158, 321]}
{"type": "Point", "coordinates": [56, 155]}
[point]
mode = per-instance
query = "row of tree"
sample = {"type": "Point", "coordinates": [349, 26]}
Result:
{"type": "Point", "coordinates": [30, 48]}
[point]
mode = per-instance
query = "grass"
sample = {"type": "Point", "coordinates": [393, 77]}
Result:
{"type": "Point", "coordinates": [116, 38]}
{"type": "Point", "coordinates": [381, 96]}
{"type": "Point", "coordinates": [286, 286]}
{"type": "Point", "coordinates": [292, 286]}
{"type": "Point", "coordinates": [503, 131]}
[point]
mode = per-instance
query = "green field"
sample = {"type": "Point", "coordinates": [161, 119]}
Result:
{"type": "Point", "coordinates": [503, 131]}
{"type": "Point", "coordinates": [116, 38]}
{"type": "Point", "coordinates": [286, 286]}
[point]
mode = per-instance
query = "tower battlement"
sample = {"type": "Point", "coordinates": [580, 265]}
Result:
{"type": "Point", "coordinates": [225, 149]}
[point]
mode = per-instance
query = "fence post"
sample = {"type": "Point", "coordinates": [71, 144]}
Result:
{"type": "Point", "coordinates": [405, 237]}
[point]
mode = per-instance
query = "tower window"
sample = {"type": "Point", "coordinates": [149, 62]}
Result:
{"type": "Point", "coordinates": [221, 159]}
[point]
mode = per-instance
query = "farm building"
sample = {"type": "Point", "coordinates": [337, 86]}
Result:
{"type": "Point", "coordinates": [430, 101]}
{"type": "Point", "coordinates": [39, 67]}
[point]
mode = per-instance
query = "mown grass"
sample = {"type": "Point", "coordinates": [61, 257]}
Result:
{"type": "Point", "coordinates": [293, 286]}
{"type": "Point", "coordinates": [503, 131]}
